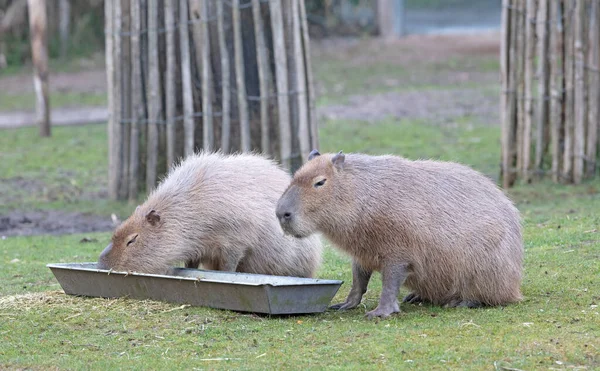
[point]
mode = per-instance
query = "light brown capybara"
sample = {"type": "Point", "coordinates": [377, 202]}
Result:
{"type": "Point", "coordinates": [216, 210]}
{"type": "Point", "coordinates": [440, 228]}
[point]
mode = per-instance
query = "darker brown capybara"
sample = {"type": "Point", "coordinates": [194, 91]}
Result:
{"type": "Point", "coordinates": [440, 228]}
{"type": "Point", "coordinates": [214, 210]}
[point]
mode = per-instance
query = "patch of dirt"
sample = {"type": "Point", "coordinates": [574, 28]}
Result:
{"type": "Point", "coordinates": [410, 49]}
{"type": "Point", "coordinates": [435, 106]}
{"type": "Point", "coordinates": [26, 223]}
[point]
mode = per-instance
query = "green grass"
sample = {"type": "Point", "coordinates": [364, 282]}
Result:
{"type": "Point", "coordinates": [26, 101]}
{"type": "Point", "coordinates": [339, 76]}
{"type": "Point", "coordinates": [555, 326]}
{"type": "Point", "coordinates": [66, 171]}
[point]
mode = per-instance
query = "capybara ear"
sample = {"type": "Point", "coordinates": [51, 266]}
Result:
{"type": "Point", "coordinates": [152, 217]}
{"type": "Point", "coordinates": [338, 160]}
{"type": "Point", "coordinates": [314, 153]}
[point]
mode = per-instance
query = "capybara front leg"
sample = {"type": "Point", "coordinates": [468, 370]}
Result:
{"type": "Point", "coordinates": [392, 277]}
{"type": "Point", "coordinates": [360, 281]}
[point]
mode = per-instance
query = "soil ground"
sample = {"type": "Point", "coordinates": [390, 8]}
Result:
{"type": "Point", "coordinates": [450, 88]}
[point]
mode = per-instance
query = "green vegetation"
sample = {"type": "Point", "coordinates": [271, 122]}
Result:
{"type": "Point", "coordinates": [555, 326]}
{"type": "Point", "coordinates": [67, 171]}
{"type": "Point", "coordinates": [26, 101]}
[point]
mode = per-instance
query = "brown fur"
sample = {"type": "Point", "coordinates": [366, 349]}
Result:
{"type": "Point", "coordinates": [217, 211]}
{"type": "Point", "coordinates": [442, 229]}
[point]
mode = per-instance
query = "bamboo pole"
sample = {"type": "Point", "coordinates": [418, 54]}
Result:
{"type": "Point", "coordinates": [170, 98]}
{"type": "Point", "coordinates": [64, 26]}
{"type": "Point", "coordinates": [556, 87]}
{"type": "Point", "coordinates": [136, 96]}
{"type": "Point", "coordinates": [285, 134]}
{"type": "Point", "coordinates": [118, 128]}
{"type": "Point", "coordinates": [186, 78]}
{"type": "Point", "coordinates": [303, 129]}
{"type": "Point", "coordinates": [154, 108]}
{"type": "Point", "coordinates": [314, 131]}
{"type": "Point", "coordinates": [225, 82]}
{"type": "Point", "coordinates": [263, 77]}
{"type": "Point", "coordinates": [208, 131]}
{"type": "Point", "coordinates": [515, 87]}
{"type": "Point", "coordinates": [569, 89]}
{"type": "Point", "coordinates": [542, 75]}
{"type": "Point", "coordinates": [594, 91]}
{"type": "Point", "coordinates": [580, 92]}
{"type": "Point", "coordinates": [110, 80]}
{"type": "Point", "coordinates": [195, 11]}
{"type": "Point", "coordinates": [505, 97]}
{"type": "Point", "coordinates": [125, 84]}
{"type": "Point", "coordinates": [524, 155]}
{"type": "Point", "coordinates": [240, 78]}
{"type": "Point", "coordinates": [39, 54]}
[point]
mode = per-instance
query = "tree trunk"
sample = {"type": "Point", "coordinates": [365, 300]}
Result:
{"type": "Point", "coordinates": [39, 54]}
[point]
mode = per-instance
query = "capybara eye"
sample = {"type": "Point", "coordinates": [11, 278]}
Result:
{"type": "Point", "coordinates": [132, 240]}
{"type": "Point", "coordinates": [320, 183]}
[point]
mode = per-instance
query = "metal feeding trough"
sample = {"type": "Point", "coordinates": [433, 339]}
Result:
{"type": "Point", "coordinates": [244, 292]}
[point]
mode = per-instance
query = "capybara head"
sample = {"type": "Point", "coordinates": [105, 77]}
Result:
{"type": "Point", "coordinates": [315, 189]}
{"type": "Point", "coordinates": [131, 242]}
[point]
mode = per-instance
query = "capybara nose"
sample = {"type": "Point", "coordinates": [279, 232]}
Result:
{"type": "Point", "coordinates": [103, 259]}
{"type": "Point", "coordinates": [284, 216]}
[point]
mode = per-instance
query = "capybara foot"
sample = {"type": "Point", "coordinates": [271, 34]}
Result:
{"type": "Point", "coordinates": [413, 298]}
{"type": "Point", "coordinates": [348, 304]}
{"type": "Point", "coordinates": [383, 312]}
{"type": "Point", "coordinates": [457, 303]}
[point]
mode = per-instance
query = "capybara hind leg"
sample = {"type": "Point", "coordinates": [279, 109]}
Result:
{"type": "Point", "coordinates": [392, 277]}
{"type": "Point", "coordinates": [360, 281]}
{"type": "Point", "coordinates": [413, 298]}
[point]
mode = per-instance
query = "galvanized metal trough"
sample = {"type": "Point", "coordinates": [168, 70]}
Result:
{"type": "Point", "coordinates": [244, 292]}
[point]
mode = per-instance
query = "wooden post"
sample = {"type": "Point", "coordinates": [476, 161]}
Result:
{"type": "Point", "coordinates": [137, 105]}
{"type": "Point", "coordinates": [542, 75]}
{"type": "Point", "coordinates": [569, 90]}
{"type": "Point", "coordinates": [303, 129]}
{"type": "Point", "coordinates": [64, 10]}
{"type": "Point", "coordinates": [186, 78]}
{"type": "Point", "coordinates": [594, 91]}
{"type": "Point", "coordinates": [580, 92]}
{"type": "Point", "coordinates": [314, 134]}
{"type": "Point", "coordinates": [390, 18]}
{"type": "Point", "coordinates": [285, 130]}
{"type": "Point", "coordinates": [524, 154]}
{"type": "Point", "coordinates": [125, 108]}
{"type": "Point", "coordinates": [225, 83]}
{"type": "Point", "coordinates": [154, 108]}
{"type": "Point", "coordinates": [505, 96]}
{"type": "Point", "coordinates": [39, 53]}
{"type": "Point", "coordinates": [170, 98]}
{"type": "Point", "coordinates": [240, 78]}
{"type": "Point", "coordinates": [556, 87]}
{"type": "Point", "coordinates": [208, 131]}
{"type": "Point", "coordinates": [110, 64]}
{"type": "Point", "coordinates": [263, 77]}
